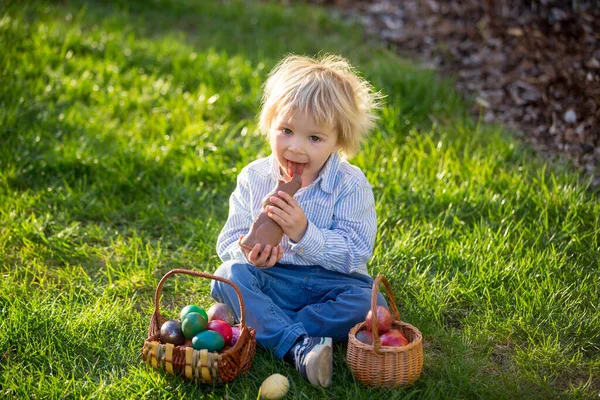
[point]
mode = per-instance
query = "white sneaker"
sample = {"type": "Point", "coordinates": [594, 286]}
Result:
{"type": "Point", "coordinates": [313, 358]}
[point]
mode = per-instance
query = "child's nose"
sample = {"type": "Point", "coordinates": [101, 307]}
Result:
{"type": "Point", "coordinates": [295, 145]}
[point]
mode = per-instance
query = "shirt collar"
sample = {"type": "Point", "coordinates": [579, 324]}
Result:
{"type": "Point", "coordinates": [326, 176]}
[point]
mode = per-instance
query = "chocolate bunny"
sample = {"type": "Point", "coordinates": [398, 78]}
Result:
{"type": "Point", "coordinates": [264, 230]}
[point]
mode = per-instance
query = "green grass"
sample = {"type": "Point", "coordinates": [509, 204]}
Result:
{"type": "Point", "coordinates": [123, 126]}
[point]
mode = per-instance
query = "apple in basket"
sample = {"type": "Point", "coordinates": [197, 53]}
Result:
{"type": "Point", "coordinates": [394, 338]}
{"type": "Point", "coordinates": [384, 320]}
{"type": "Point", "coordinates": [365, 337]}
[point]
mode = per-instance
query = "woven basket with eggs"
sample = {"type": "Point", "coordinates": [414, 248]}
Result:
{"type": "Point", "coordinates": [199, 365]}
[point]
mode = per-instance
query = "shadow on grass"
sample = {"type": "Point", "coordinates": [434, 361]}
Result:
{"type": "Point", "coordinates": [237, 28]}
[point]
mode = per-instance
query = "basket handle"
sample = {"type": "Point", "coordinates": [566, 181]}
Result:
{"type": "Point", "coordinates": [202, 275]}
{"type": "Point", "coordinates": [392, 301]}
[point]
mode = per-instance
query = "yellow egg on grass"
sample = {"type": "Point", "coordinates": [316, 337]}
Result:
{"type": "Point", "coordinates": [274, 387]}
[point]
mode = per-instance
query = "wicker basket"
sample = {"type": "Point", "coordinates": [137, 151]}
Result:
{"type": "Point", "coordinates": [200, 365]}
{"type": "Point", "coordinates": [385, 366]}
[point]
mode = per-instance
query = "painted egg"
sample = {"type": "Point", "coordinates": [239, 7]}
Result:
{"type": "Point", "coordinates": [209, 340]}
{"type": "Point", "coordinates": [170, 332]}
{"type": "Point", "coordinates": [222, 328]}
{"type": "Point", "coordinates": [192, 308]}
{"type": "Point", "coordinates": [222, 312]}
{"type": "Point", "coordinates": [192, 324]}
{"type": "Point", "coordinates": [235, 334]}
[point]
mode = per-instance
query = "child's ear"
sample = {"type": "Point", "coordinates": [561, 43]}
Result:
{"type": "Point", "coordinates": [338, 146]}
{"type": "Point", "coordinates": [338, 141]}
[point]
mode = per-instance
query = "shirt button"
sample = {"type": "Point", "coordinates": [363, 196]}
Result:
{"type": "Point", "coordinates": [300, 251]}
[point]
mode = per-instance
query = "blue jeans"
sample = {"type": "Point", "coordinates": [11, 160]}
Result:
{"type": "Point", "coordinates": [286, 302]}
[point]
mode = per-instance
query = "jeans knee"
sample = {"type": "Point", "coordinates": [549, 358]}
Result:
{"type": "Point", "coordinates": [361, 304]}
{"type": "Point", "coordinates": [235, 271]}
{"type": "Point", "coordinates": [224, 270]}
{"type": "Point", "coordinates": [364, 305]}
{"type": "Point", "coordinates": [381, 300]}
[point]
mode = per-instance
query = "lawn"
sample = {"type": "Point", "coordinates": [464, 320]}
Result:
{"type": "Point", "coordinates": [123, 126]}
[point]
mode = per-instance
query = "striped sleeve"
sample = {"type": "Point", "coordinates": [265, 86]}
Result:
{"type": "Point", "coordinates": [238, 222]}
{"type": "Point", "coordinates": [348, 245]}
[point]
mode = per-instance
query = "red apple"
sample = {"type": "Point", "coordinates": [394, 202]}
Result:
{"type": "Point", "coordinates": [235, 334]}
{"type": "Point", "coordinates": [221, 327]}
{"type": "Point", "coordinates": [365, 337]}
{"type": "Point", "coordinates": [384, 320]}
{"type": "Point", "coordinates": [394, 338]}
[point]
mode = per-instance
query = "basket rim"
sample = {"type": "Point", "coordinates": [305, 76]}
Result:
{"type": "Point", "coordinates": [417, 342]}
{"type": "Point", "coordinates": [238, 345]}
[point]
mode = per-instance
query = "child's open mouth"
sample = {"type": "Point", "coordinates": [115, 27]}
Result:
{"type": "Point", "coordinates": [294, 168]}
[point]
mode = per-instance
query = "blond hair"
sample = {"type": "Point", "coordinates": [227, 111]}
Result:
{"type": "Point", "coordinates": [328, 89]}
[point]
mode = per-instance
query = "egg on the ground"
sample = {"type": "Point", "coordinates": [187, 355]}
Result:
{"type": "Point", "coordinates": [274, 387]}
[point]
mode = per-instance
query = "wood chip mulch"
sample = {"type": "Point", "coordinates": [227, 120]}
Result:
{"type": "Point", "coordinates": [532, 65]}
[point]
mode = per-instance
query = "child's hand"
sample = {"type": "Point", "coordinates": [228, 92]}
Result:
{"type": "Point", "coordinates": [288, 214]}
{"type": "Point", "coordinates": [267, 258]}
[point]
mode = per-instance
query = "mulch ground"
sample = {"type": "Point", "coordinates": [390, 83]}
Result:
{"type": "Point", "coordinates": [532, 65]}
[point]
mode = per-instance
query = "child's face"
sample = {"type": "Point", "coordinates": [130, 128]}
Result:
{"type": "Point", "coordinates": [300, 144]}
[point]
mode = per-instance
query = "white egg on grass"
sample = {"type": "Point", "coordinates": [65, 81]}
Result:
{"type": "Point", "coordinates": [274, 387]}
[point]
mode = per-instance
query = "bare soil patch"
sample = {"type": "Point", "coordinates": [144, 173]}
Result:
{"type": "Point", "coordinates": [532, 65]}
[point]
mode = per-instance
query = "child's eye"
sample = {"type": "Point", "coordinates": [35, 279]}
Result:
{"type": "Point", "coordinates": [314, 139]}
{"type": "Point", "coordinates": [286, 131]}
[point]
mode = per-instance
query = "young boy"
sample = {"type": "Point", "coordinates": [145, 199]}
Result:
{"type": "Point", "coordinates": [314, 286]}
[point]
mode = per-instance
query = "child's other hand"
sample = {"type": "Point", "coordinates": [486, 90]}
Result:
{"type": "Point", "coordinates": [289, 215]}
{"type": "Point", "coordinates": [267, 258]}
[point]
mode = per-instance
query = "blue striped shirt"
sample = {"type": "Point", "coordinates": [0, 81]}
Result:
{"type": "Point", "coordinates": [339, 206]}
